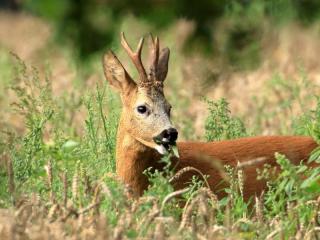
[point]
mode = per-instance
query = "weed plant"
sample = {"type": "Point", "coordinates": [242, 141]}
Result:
{"type": "Point", "coordinates": [59, 184]}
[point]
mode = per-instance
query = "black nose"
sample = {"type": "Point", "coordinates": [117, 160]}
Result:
{"type": "Point", "coordinates": [169, 135]}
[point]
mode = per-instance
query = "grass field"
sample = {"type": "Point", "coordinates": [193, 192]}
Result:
{"type": "Point", "coordinates": [58, 122]}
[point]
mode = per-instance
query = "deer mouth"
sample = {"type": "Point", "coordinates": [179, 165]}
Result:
{"type": "Point", "coordinates": [164, 145]}
{"type": "Point", "coordinates": [166, 140]}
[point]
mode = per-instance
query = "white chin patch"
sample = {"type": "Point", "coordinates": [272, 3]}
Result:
{"type": "Point", "coordinates": [161, 149]}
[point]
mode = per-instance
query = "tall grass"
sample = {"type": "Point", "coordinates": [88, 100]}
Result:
{"type": "Point", "coordinates": [61, 184]}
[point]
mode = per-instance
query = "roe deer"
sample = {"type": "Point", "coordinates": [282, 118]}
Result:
{"type": "Point", "coordinates": [145, 131]}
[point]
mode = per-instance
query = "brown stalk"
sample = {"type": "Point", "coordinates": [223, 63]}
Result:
{"type": "Point", "coordinates": [186, 215]}
{"type": "Point", "coordinates": [188, 169]}
{"type": "Point", "coordinates": [65, 188]}
{"type": "Point", "coordinates": [259, 209]}
{"type": "Point", "coordinates": [75, 182]}
{"type": "Point", "coordinates": [10, 173]}
{"type": "Point", "coordinates": [159, 232]}
{"type": "Point", "coordinates": [173, 195]}
{"type": "Point", "coordinates": [48, 169]}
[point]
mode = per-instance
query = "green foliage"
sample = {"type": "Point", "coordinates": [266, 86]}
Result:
{"type": "Point", "coordinates": [92, 26]}
{"type": "Point", "coordinates": [291, 187]}
{"type": "Point", "coordinates": [75, 171]}
{"type": "Point", "coordinates": [50, 134]}
{"type": "Point", "coordinates": [220, 125]}
{"type": "Point", "coordinates": [309, 123]}
{"type": "Point", "coordinates": [160, 186]}
{"type": "Point", "coordinates": [36, 105]}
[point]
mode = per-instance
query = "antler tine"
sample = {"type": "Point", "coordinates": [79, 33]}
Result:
{"type": "Point", "coordinates": [154, 56]}
{"type": "Point", "coordinates": [139, 47]}
{"type": "Point", "coordinates": [135, 56]}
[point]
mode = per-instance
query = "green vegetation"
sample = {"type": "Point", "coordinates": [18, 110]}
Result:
{"type": "Point", "coordinates": [58, 131]}
{"type": "Point", "coordinates": [220, 125]}
{"type": "Point", "coordinates": [70, 177]}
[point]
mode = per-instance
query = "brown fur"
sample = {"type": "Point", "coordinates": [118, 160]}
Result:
{"type": "Point", "coordinates": [230, 152]}
{"type": "Point", "coordinates": [135, 150]}
{"type": "Point", "coordinates": [207, 157]}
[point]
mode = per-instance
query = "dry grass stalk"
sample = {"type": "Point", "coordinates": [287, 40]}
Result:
{"type": "Point", "coordinates": [80, 221]}
{"type": "Point", "coordinates": [194, 227]}
{"type": "Point", "coordinates": [96, 193]}
{"type": "Point", "coordinates": [75, 185]}
{"type": "Point", "coordinates": [218, 230]}
{"type": "Point", "coordinates": [65, 188]}
{"type": "Point", "coordinates": [312, 233]}
{"type": "Point", "coordinates": [102, 228]}
{"type": "Point", "coordinates": [204, 210]}
{"type": "Point", "coordinates": [227, 216]}
{"type": "Point", "coordinates": [300, 230]}
{"type": "Point", "coordinates": [273, 234]}
{"type": "Point", "coordinates": [201, 196]}
{"type": "Point", "coordinates": [235, 226]}
{"type": "Point", "coordinates": [10, 172]}
{"type": "Point", "coordinates": [52, 211]}
{"type": "Point", "coordinates": [240, 180]}
{"type": "Point", "coordinates": [259, 209]}
{"type": "Point", "coordinates": [88, 208]}
{"type": "Point", "coordinates": [316, 213]}
{"type": "Point", "coordinates": [87, 183]}
{"type": "Point", "coordinates": [19, 212]}
{"type": "Point", "coordinates": [48, 169]}
{"type": "Point", "coordinates": [200, 237]}
{"type": "Point", "coordinates": [159, 232]}
{"type": "Point", "coordinates": [105, 189]}
{"type": "Point", "coordinates": [119, 229]}
{"type": "Point", "coordinates": [148, 219]}
{"type": "Point", "coordinates": [96, 198]}
{"type": "Point", "coordinates": [173, 195]}
{"type": "Point", "coordinates": [184, 170]}
{"type": "Point", "coordinates": [208, 193]}
{"type": "Point", "coordinates": [187, 213]}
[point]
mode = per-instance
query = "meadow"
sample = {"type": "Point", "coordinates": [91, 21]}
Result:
{"type": "Point", "coordinates": [59, 117]}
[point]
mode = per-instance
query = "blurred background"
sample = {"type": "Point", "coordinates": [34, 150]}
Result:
{"type": "Point", "coordinates": [259, 55]}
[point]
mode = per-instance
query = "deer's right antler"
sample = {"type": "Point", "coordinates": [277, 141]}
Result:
{"type": "Point", "coordinates": [155, 58]}
{"type": "Point", "coordinates": [135, 57]}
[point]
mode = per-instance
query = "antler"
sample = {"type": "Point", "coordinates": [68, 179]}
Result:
{"type": "Point", "coordinates": [135, 56]}
{"type": "Point", "coordinates": [154, 58]}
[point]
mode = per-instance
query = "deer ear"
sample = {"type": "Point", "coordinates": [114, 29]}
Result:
{"type": "Point", "coordinates": [163, 64]}
{"type": "Point", "coordinates": [115, 73]}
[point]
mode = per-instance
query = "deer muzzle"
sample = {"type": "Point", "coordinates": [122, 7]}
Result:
{"type": "Point", "coordinates": [166, 137]}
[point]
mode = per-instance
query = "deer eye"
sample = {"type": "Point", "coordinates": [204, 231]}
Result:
{"type": "Point", "coordinates": [142, 109]}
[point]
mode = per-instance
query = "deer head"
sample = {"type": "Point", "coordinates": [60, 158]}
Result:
{"type": "Point", "coordinates": [146, 112]}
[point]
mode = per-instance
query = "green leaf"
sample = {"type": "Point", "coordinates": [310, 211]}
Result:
{"type": "Point", "coordinates": [315, 155]}
{"type": "Point", "coordinates": [70, 145]}
{"type": "Point", "coordinates": [175, 151]}
{"type": "Point", "coordinates": [313, 187]}
{"type": "Point", "coordinates": [310, 181]}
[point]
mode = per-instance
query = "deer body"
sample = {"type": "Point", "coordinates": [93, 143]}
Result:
{"type": "Point", "coordinates": [133, 159]}
{"type": "Point", "coordinates": [256, 151]}
{"type": "Point", "coordinates": [145, 133]}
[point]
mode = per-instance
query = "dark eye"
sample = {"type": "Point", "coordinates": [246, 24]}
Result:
{"type": "Point", "coordinates": [142, 109]}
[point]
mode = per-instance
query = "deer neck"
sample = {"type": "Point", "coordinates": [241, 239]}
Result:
{"type": "Point", "coordinates": [132, 158]}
